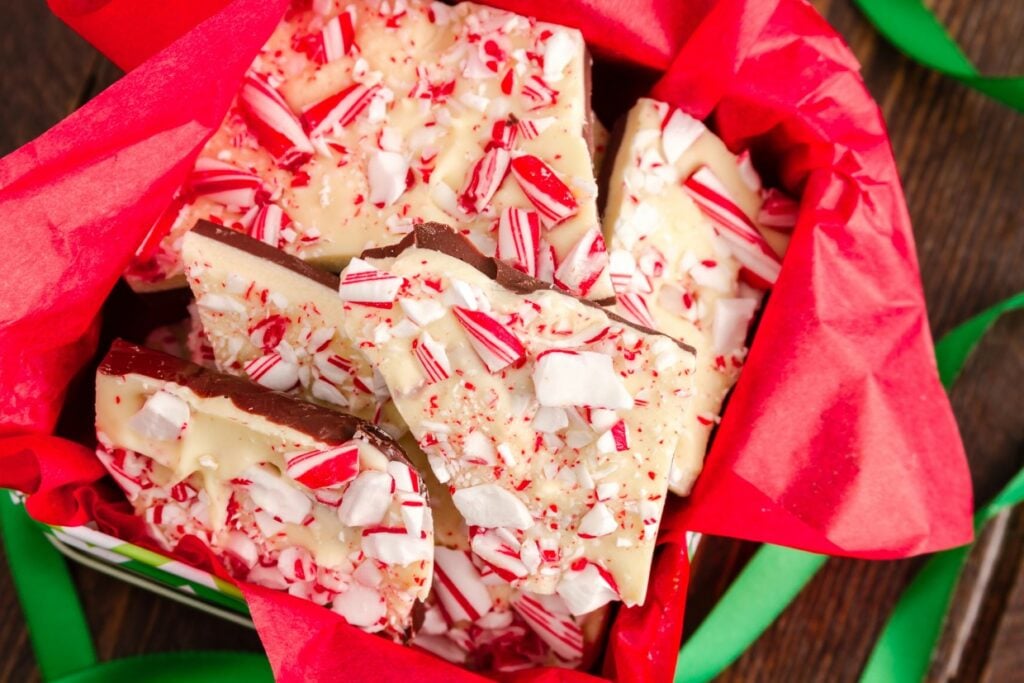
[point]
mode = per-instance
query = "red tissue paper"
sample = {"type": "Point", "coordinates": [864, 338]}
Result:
{"type": "Point", "coordinates": [837, 439]}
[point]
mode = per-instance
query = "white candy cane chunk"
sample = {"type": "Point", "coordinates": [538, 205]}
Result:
{"type": "Point", "coordinates": [491, 506]}
{"type": "Point", "coordinates": [387, 174]}
{"type": "Point", "coordinates": [414, 513]}
{"type": "Point", "coordinates": [432, 358]}
{"type": "Point", "coordinates": [549, 618]}
{"type": "Point", "coordinates": [337, 37]}
{"type": "Point", "coordinates": [743, 238]}
{"type": "Point", "coordinates": [273, 372]}
{"type": "Point", "coordinates": [324, 468]}
{"type": "Point", "coordinates": [273, 121]}
{"type": "Point", "coordinates": [361, 283]}
{"type": "Point", "coordinates": [458, 586]}
{"type": "Point", "coordinates": [545, 190]}
{"type": "Point", "coordinates": [361, 606]}
{"type": "Point", "coordinates": [276, 496]}
{"type": "Point", "coordinates": [366, 499]}
{"type": "Point", "coordinates": [599, 521]}
{"type": "Point", "coordinates": [559, 50]}
{"type": "Point", "coordinates": [732, 320]}
{"type": "Point", "coordinates": [583, 264]}
{"type": "Point", "coordinates": [422, 312]}
{"type": "Point", "coordinates": [483, 180]}
{"type": "Point", "coordinates": [779, 211]}
{"type": "Point", "coordinates": [340, 109]}
{"type": "Point", "coordinates": [395, 546]}
{"type": "Point", "coordinates": [223, 183]}
{"type": "Point", "coordinates": [579, 378]}
{"type": "Point", "coordinates": [163, 417]}
{"type": "Point", "coordinates": [587, 588]}
{"type": "Point", "coordinates": [634, 307]}
{"type": "Point", "coordinates": [679, 131]}
{"type": "Point", "coordinates": [519, 239]}
{"type": "Point", "coordinates": [494, 343]}
{"type": "Point", "coordinates": [550, 420]}
{"type": "Point", "coordinates": [406, 478]}
{"type": "Point", "coordinates": [269, 224]}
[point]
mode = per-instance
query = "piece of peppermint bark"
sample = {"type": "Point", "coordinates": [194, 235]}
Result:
{"type": "Point", "coordinates": [287, 494]}
{"type": "Point", "coordinates": [553, 421]}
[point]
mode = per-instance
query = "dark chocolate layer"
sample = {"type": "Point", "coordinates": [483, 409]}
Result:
{"type": "Point", "coordinates": [441, 238]}
{"type": "Point", "coordinates": [250, 245]}
{"type": "Point", "coordinates": [322, 424]}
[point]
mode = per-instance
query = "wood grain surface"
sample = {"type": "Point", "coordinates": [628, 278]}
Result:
{"type": "Point", "coordinates": [961, 157]}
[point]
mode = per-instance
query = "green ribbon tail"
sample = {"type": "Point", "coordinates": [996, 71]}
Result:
{"type": "Point", "coordinates": [769, 582]}
{"type": "Point", "coordinates": [904, 650]}
{"type": "Point", "coordinates": [176, 667]}
{"type": "Point", "coordinates": [915, 31]}
{"type": "Point", "coordinates": [56, 625]}
{"type": "Point", "coordinates": [776, 575]}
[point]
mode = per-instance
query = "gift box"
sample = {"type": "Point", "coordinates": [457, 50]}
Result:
{"type": "Point", "coordinates": [837, 439]}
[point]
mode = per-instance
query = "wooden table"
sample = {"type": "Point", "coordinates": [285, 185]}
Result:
{"type": "Point", "coordinates": [962, 160]}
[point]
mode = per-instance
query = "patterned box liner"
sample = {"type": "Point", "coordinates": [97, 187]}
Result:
{"type": "Point", "coordinates": [162, 575]}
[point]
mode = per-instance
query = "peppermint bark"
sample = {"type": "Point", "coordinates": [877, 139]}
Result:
{"type": "Point", "coordinates": [288, 495]}
{"type": "Point", "coordinates": [552, 422]}
{"type": "Point", "coordinates": [274, 319]}
{"type": "Point", "coordinates": [687, 256]}
{"type": "Point", "coordinates": [359, 119]}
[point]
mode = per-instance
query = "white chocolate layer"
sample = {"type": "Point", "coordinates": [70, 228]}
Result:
{"type": "Point", "coordinates": [437, 81]}
{"type": "Point", "coordinates": [539, 473]}
{"type": "Point", "coordinates": [223, 477]}
{"type": "Point", "coordinates": [669, 266]}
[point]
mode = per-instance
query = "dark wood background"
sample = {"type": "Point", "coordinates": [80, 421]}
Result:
{"type": "Point", "coordinates": [962, 162]}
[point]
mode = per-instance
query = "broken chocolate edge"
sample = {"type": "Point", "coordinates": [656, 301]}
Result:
{"type": "Point", "coordinates": [255, 247]}
{"type": "Point", "coordinates": [443, 239]}
{"type": "Point", "coordinates": [322, 424]}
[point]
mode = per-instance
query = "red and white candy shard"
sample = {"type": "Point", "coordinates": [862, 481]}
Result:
{"type": "Point", "coordinates": [273, 372]}
{"type": "Point", "coordinates": [678, 222]}
{"type": "Point", "coordinates": [554, 624]}
{"type": "Point", "coordinates": [493, 342]}
{"type": "Point", "coordinates": [432, 357]}
{"type": "Point", "coordinates": [337, 37]}
{"type": "Point", "coordinates": [584, 264]}
{"type": "Point", "coordinates": [324, 467]}
{"type": "Point", "coordinates": [535, 416]}
{"type": "Point", "coordinates": [224, 183]}
{"type": "Point", "coordinates": [483, 180]}
{"type": "Point", "coordinates": [340, 109]}
{"type": "Point", "coordinates": [269, 225]}
{"type": "Point", "coordinates": [747, 244]}
{"type": "Point", "coordinates": [272, 120]}
{"type": "Point", "coordinates": [519, 239]}
{"type": "Point", "coordinates": [551, 197]}
{"type": "Point", "coordinates": [270, 322]}
{"type": "Point", "coordinates": [361, 283]}
{"type": "Point", "coordinates": [289, 511]}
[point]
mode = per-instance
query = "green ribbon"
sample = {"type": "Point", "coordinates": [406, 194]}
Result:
{"type": "Point", "coordinates": [59, 633]}
{"type": "Point", "coordinates": [776, 575]}
{"type": "Point", "coordinates": [915, 31]}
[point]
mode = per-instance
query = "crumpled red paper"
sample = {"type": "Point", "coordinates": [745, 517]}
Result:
{"type": "Point", "coordinates": [837, 439]}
